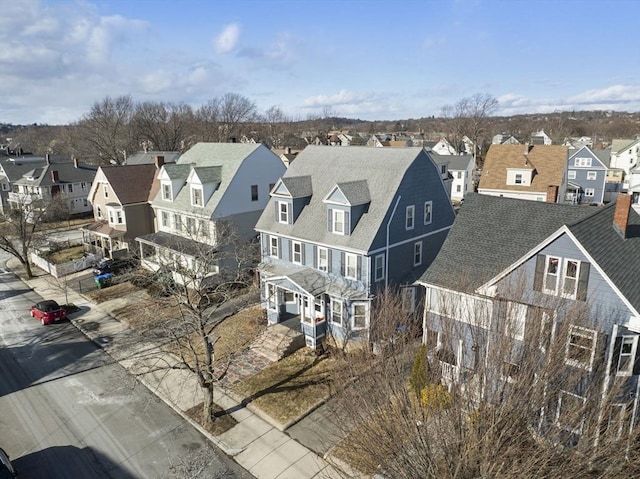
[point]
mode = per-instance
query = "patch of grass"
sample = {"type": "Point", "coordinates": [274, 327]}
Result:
{"type": "Point", "coordinates": [222, 421]}
{"type": "Point", "coordinates": [116, 291]}
{"type": "Point", "coordinates": [67, 254]}
{"type": "Point", "coordinates": [292, 386]}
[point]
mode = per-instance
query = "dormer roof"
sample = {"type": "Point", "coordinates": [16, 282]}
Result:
{"type": "Point", "coordinates": [349, 193]}
{"type": "Point", "coordinates": [207, 174]}
{"type": "Point", "coordinates": [298, 186]}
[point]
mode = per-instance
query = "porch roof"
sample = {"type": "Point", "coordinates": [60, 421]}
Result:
{"type": "Point", "coordinates": [102, 228]}
{"type": "Point", "coordinates": [309, 281]}
{"type": "Point", "coordinates": [176, 243]}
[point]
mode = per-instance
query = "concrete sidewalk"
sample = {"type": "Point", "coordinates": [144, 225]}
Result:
{"type": "Point", "coordinates": [256, 445]}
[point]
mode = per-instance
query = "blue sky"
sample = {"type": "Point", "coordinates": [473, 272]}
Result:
{"type": "Point", "coordinates": [373, 60]}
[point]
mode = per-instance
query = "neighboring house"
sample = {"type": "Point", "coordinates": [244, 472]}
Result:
{"type": "Point", "coordinates": [550, 272]}
{"type": "Point", "coordinates": [120, 197]}
{"type": "Point", "coordinates": [287, 155]}
{"type": "Point", "coordinates": [67, 182]}
{"type": "Point", "coordinates": [586, 177]}
{"type": "Point", "coordinates": [504, 139]}
{"type": "Point", "coordinates": [625, 154]}
{"type": "Point", "coordinates": [11, 170]}
{"type": "Point", "coordinates": [443, 147]}
{"type": "Point", "coordinates": [530, 172]}
{"type": "Point", "coordinates": [210, 185]}
{"type": "Point", "coordinates": [151, 157]}
{"type": "Point", "coordinates": [468, 146]}
{"type": "Point", "coordinates": [540, 138]}
{"type": "Point", "coordinates": [634, 187]}
{"type": "Point", "coordinates": [461, 169]}
{"type": "Point", "coordinates": [343, 224]}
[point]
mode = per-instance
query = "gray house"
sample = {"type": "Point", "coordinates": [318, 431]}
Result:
{"type": "Point", "coordinates": [548, 278]}
{"type": "Point", "coordinates": [586, 176]}
{"type": "Point", "coordinates": [341, 225]}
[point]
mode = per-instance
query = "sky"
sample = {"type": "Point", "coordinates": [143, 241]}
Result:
{"type": "Point", "coordinates": [368, 60]}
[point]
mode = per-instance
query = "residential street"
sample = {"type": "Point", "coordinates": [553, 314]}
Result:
{"type": "Point", "coordinates": [68, 411]}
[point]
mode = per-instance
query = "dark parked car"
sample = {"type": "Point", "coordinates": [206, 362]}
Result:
{"type": "Point", "coordinates": [6, 469]}
{"type": "Point", "coordinates": [48, 311]}
{"type": "Point", "coordinates": [114, 266]}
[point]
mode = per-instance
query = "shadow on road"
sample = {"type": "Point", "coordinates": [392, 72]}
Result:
{"type": "Point", "coordinates": [68, 461]}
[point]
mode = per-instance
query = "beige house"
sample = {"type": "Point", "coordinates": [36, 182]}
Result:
{"type": "Point", "coordinates": [120, 198]}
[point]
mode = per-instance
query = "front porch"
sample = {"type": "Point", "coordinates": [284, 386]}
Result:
{"type": "Point", "coordinates": [100, 238]}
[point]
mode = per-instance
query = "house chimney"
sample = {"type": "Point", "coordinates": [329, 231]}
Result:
{"type": "Point", "coordinates": [54, 176]}
{"type": "Point", "coordinates": [527, 149]}
{"type": "Point", "coordinates": [621, 214]}
{"type": "Point", "coordinates": [552, 194]}
{"type": "Point", "coordinates": [288, 150]}
{"type": "Point", "coordinates": [75, 162]}
{"type": "Point", "coordinates": [47, 158]}
{"type": "Point", "coordinates": [159, 161]}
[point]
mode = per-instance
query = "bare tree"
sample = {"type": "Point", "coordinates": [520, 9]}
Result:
{"type": "Point", "coordinates": [234, 109]}
{"type": "Point", "coordinates": [275, 123]}
{"type": "Point", "coordinates": [506, 407]}
{"type": "Point", "coordinates": [164, 125]}
{"type": "Point", "coordinates": [198, 283]}
{"type": "Point", "coordinates": [20, 229]}
{"type": "Point", "coordinates": [207, 119]}
{"type": "Point", "coordinates": [103, 136]}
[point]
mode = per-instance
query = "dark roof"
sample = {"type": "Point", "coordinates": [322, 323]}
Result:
{"type": "Point", "coordinates": [67, 173]}
{"type": "Point", "coordinates": [176, 243]}
{"type": "Point", "coordinates": [130, 183]}
{"type": "Point", "coordinates": [149, 157]}
{"type": "Point", "coordinates": [491, 233]}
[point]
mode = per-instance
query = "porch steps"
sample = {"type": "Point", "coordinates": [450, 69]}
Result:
{"type": "Point", "coordinates": [279, 340]}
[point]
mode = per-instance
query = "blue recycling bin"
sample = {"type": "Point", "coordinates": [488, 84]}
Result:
{"type": "Point", "coordinates": [103, 280]}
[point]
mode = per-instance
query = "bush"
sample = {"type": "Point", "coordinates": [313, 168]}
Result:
{"type": "Point", "coordinates": [418, 378]}
{"type": "Point", "coordinates": [435, 397]}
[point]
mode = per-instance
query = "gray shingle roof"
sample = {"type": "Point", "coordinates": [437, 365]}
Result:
{"type": "Point", "coordinates": [356, 192]}
{"type": "Point", "coordinates": [491, 233]}
{"type": "Point", "coordinates": [383, 169]}
{"type": "Point", "coordinates": [298, 186]}
{"type": "Point", "coordinates": [176, 172]}
{"type": "Point", "coordinates": [149, 157]}
{"type": "Point", "coordinates": [67, 173]}
{"type": "Point", "coordinates": [209, 174]}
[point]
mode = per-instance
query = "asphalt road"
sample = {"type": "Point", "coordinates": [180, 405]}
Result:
{"type": "Point", "coordinates": [67, 411]}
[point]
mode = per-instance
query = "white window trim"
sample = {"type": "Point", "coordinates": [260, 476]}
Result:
{"type": "Point", "coordinates": [274, 242]}
{"type": "Point", "coordinates": [515, 321]}
{"type": "Point", "coordinates": [563, 269]}
{"type": "Point", "coordinates": [378, 267]}
{"type": "Point", "coordinates": [410, 218]}
{"type": "Point", "coordinates": [348, 257]}
{"type": "Point", "coordinates": [585, 333]}
{"type": "Point", "coordinates": [322, 267]}
{"type": "Point", "coordinates": [113, 214]}
{"type": "Point", "coordinates": [195, 189]}
{"type": "Point", "coordinates": [563, 426]}
{"type": "Point", "coordinates": [338, 302]}
{"type": "Point", "coordinates": [336, 213]}
{"type": "Point", "coordinates": [352, 316]}
{"type": "Point", "coordinates": [589, 192]}
{"type": "Point", "coordinates": [571, 174]}
{"type": "Point", "coordinates": [592, 175]}
{"type": "Point", "coordinates": [417, 253]}
{"type": "Point", "coordinates": [582, 162]}
{"type": "Point", "coordinates": [165, 196]}
{"type": "Point", "coordinates": [165, 220]}
{"type": "Point", "coordinates": [176, 222]}
{"type": "Point", "coordinates": [548, 259]}
{"type": "Point", "coordinates": [429, 204]}
{"type": "Point", "coordinates": [293, 252]}
{"type": "Point", "coordinates": [284, 212]}
{"type": "Point", "coordinates": [632, 356]}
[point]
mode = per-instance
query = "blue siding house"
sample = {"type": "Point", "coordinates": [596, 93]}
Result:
{"type": "Point", "coordinates": [341, 225]}
{"type": "Point", "coordinates": [586, 177]}
{"type": "Point", "coordinates": [559, 285]}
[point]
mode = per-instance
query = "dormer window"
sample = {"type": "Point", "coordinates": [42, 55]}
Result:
{"type": "Point", "coordinates": [338, 221]}
{"type": "Point", "coordinates": [196, 196]}
{"type": "Point", "coordinates": [283, 212]}
{"type": "Point", "coordinates": [518, 178]}
{"type": "Point", "coordinates": [166, 192]}
{"type": "Point", "coordinates": [443, 169]}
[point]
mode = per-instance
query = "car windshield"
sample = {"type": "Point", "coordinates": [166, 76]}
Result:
{"type": "Point", "coordinates": [48, 306]}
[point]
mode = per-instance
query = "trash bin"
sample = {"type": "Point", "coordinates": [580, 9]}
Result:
{"type": "Point", "coordinates": [103, 280]}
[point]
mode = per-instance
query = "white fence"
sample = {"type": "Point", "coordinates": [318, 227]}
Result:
{"type": "Point", "coordinates": [64, 269]}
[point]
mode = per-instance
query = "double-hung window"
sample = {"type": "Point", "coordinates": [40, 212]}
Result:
{"type": "Point", "coordinates": [570, 415]}
{"type": "Point", "coordinates": [625, 359]}
{"type": "Point", "coordinates": [417, 253]}
{"type": "Point", "coordinates": [570, 278]}
{"type": "Point", "coordinates": [283, 212]}
{"type": "Point", "coordinates": [254, 192]}
{"type": "Point", "coordinates": [323, 259]}
{"type": "Point", "coordinates": [551, 274]}
{"type": "Point", "coordinates": [177, 222]}
{"type": "Point", "coordinates": [164, 218]}
{"type": "Point", "coordinates": [589, 192]}
{"type": "Point", "coordinates": [428, 206]}
{"type": "Point", "coordinates": [359, 316]}
{"type": "Point", "coordinates": [203, 228]}
{"type": "Point", "coordinates": [336, 311]}
{"type": "Point", "coordinates": [196, 196]}
{"type": "Point", "coordinates": [571, 174]}
{"type": "Point", "coordinates": [191, 225]}
{"type": "Point", "coordinates": [166, 192]}
{"type": "Point", "coordinates": [518, 179]}
{"type": "Point", "coordinates": [338, 221]}
{"type": "Point", "coordinates": [105, 191]}
{"type": "Point", "coordinates": [351, 266]}
{"type": "Point", "coordinates": [592, 175]}
{"type": "Point", "coordinates": [379, 267]}
{"type": "Point", "coordinates": [410, 217]}
{"type": "Point", "coordinates": [274, 246]}
{"type": "Point", "coordinates": [581, 347]}
{"type": "Point", "coordinates": [296, 251]}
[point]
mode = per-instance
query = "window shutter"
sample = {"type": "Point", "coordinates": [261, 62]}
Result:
{"type": "Point", "coordinates": [636, 364]}
{"type": "Point", "coordinates": [359, 266]}
{"type": "Point", "coordinates": [280, 249]}
{"type": "Point", "coordinates": [315, 256]}
{"type": "Point", "coordinates": [290, 248]}
{"type": "Point", "coordinates": [583, 281]}
{"type": "Point", "coordinates": [537, 280]}
{"type": "Point", "coordinates": [617, 345]}
{"type": "Point", "coordinates": [347, 223]}
{"type": "Point", "coordinates": [342, 261]}
{"type": "Point", "coordinates": [277, 206]}
{"type": "Point", "coordinates": [329, 220]}
{"type": "Point", "coordinates": [329, 263]}
{"type": "Point", "coordinates": [302, 255]}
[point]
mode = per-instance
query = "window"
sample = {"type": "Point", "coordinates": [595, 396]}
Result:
{"type": "Point", "coordinates": [459, 174]}
{"type": "Point", "coordinates": [85, 203]}
{"type": "Point", "coordinates": [254, 192]}
{"type": "Point", "coordinates": [191, 225]}
{"type": "Point", "coordinates": [336, 311]}
{"type": "Point", "coordinates": [351, 266]}
{"type": "Point", "coordinates": [581, 347]}
{"type": "Point", "coordinates": [203, 226]}
{"type": "Point", "coordinates": [515, 320]}
{"type": "Point", "coordinates": [592, 175]}
{"type": "Point", "coordinates": [359, 316]}
{"type": "Point", "coordinates": [70, 187]}
{"type": "Point", "coordinates": [196, 196]}
{"type": "Point", "coordinates": [271, 297]}
{"type": "Point", "coordinates": [417, 253]}
{"type": "Point", "coordinates": [105, 191]}
{"type": "Point", "coordinates": [177, 222]}
{"type": "Point", "coordinates": [379, 267]}
{"type": "Point", "coordinates": [410, 216]}
{"type": "Point", "coordinates": [551, 273]}
{"type": "Point", "coordinates": [323, 259]}
{"type": "Point", "coordinates": [627, 346]}
{"type": "Point", "coordinates": [443, 169]}
{"type": "Point", "coordinates": [338, 221]}
{"type": "Point", "coordinates": [164, 218]}
{"type": "Point", "coordinates": [583, 162]}
{"type": "Point", "coordinates": [274, 246]}
{"type": "Point", "coordinates": [589, 192]}
{"type": "Point", "coordinates": [409, 298]}
{"type": "Point", "coordinates": [99, 211]}
{"type": "Point", "coordinates": [166, 191]}
{"type": "Point", "coordinates": [518, 179]}
{"type": "Point", "coordinates": [427, 212]}
{"type": "Point", "coordinates": [571, 174]}
{"type": "Point", "coordinates": [289, 297]}
{"type": "Point", "coordinates": [458, 188]}
{"type": "Point", "coordinates": [119, 217]}
{"type": "Point", "coordinates": [570, 279]}
{"type": "Point", "coordinates": [283, 212]}
{"type": "Point", "coordinates": [570, 415]}
{"type": "Point", "coordinates": [297, 252]}
{"type": "Point", "coordinates": [83, 186]}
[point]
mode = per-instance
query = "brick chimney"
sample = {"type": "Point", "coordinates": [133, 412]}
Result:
{"type": "Point", "coordinates": [552, 194]}
{"type": "Point", "coordinates": [54, 176]}
{"type": "Point", "coordinates": [159, 161]}
{"type": "Point", "coordinates": [621, 214]}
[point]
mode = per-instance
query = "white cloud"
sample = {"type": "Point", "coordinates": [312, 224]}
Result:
{"type": "Point", "coordinates": [612, 94]}
{"type": "Point", "coordinates": [343, 97]}
{"type": "Point", "coordinates": [227, 40]}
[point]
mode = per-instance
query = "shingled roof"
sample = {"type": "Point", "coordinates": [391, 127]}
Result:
{"type": "Point", "coordinates": [130, 183]}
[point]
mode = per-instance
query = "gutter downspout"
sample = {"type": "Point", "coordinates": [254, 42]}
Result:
{"type": "Point", "coordinates": [386, 255]}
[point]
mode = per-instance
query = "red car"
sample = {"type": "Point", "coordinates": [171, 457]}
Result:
{"type": "Point", "coordinates": [48, 311]}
